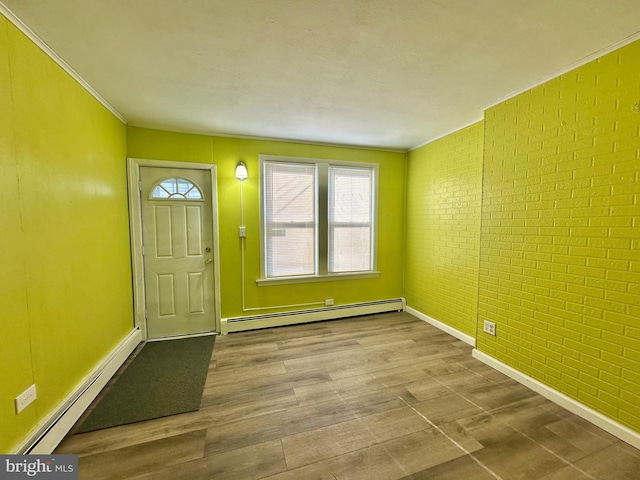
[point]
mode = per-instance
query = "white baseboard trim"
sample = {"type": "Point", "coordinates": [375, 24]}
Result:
{"type": "Point", "coordinates": [241, 324]}
{"type": "Point", "coordinates": [442, 326]}
{"type": "Point", "coordinates": [614, 428]}
{"type": "Point", "coordinates": [49, 433]}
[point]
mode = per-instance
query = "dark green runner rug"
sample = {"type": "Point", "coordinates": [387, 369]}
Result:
{"type": "Point", "coordinates": [165, 378]}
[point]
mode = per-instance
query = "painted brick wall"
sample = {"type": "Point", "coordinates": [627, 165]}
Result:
{"type": "Point", "coordinates": [444, 186]}
{"type": "Point", "coordinates": [560, 242]}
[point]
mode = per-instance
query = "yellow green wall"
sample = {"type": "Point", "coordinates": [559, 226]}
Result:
{"type": "Point", "coordinates": [14, 342]}
{"type": "Point", "coordinates": [225, 153]}
{"type": "Point", "coordinates": [558, 237]}
{"type": "Point", "coordinates": [444, 190]}
{"type": "Point", "coordinates": [66, 280]}
{"type": "Point", "coordinates": [551, 253]}
{"type": "Point", "coordinates": [560, 242]}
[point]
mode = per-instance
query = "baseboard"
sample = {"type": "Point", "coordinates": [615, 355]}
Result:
{"type": "Point", "coordinates": [614, 428]}
{"type": "Point", "coordinates": [241, 324]}
{"type": "Point", "coordinates": [442, 326]}
{"type": "Point", "coordinates": [49, 433]}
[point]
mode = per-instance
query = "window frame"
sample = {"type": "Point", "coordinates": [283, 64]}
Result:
{"type": "Point", "coordinates": [182, 197]}
{"type": "Point", "coordinates": [334, 225]}
{"type": "Point", "coordinates": [322, 221]}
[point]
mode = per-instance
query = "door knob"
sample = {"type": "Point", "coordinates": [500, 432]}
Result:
{"type": "Point", "coordinates": [208, 260]}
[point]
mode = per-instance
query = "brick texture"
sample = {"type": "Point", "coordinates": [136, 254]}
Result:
{"type": "Point", "coordinates": [443, 228]}
{"type": "Point", "coordinates": [560, 236]}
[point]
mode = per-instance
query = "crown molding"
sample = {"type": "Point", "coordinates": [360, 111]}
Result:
{"type": "Point", "coordinates": [20, 25]}
{"type": "Point", "coordinates": [583, 61]}
{"type": "Point", "coordinates": [447, 133]}
{"type": "Point", "coordinates": [213, 133]}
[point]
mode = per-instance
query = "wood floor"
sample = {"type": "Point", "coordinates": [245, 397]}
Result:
{"type": "Point", "coordinates": [373, 397]}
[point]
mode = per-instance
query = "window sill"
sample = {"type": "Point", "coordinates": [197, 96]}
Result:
{"type": "Point", "coordinates": [263, 282]}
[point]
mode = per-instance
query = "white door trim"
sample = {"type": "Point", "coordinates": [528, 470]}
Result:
{"type": "Point", "coordinates": [135, 226]}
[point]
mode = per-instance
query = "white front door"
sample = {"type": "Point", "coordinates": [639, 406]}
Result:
{"type": "Point", "coordinates": [177, 234]}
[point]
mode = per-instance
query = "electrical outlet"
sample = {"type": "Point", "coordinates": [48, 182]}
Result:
{"type": "Point", "coordinates": [25, 398]}
{"type": "Point", "coordinates": [328, 301]}
{"type": "Point", "coordinates": [489, 327]}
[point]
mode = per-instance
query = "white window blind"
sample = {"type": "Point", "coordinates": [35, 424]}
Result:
{"type": "Point", "coordinates": [290, 219]}
{"type": "Point", "coordinates": [350, 217]}
{"type": "Point", "coordinates": [318, 219]}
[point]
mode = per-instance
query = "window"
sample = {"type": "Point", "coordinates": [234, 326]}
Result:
{"type": "Point", "coordinates": [317, 217]}
{"type": "Point", "coordinates": [176, 189]}
{"type": "Point", "coordinates": [290, 219]}
{"type": "Point", "coordinates": [350, 219]}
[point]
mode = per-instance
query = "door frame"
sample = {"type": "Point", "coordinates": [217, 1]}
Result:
{"type": "Point", "coordinates": [135, 228]}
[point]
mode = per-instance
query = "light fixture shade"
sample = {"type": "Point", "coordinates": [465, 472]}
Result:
{"type": "Point", "coordinates": [241, 171]}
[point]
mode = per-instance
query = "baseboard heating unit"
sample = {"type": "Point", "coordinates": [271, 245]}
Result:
{"type": "Point", "coordinates": [252, 322]}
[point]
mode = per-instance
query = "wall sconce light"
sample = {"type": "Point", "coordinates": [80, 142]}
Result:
{"type": "Point", "coordinates": [241, 171]}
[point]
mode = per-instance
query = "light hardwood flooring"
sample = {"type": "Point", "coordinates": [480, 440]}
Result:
{"type": "Point", "coordinates": [374, 397]}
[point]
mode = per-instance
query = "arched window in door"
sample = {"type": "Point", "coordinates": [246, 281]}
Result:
{"type": "Point", "coordinates": [175, 189]}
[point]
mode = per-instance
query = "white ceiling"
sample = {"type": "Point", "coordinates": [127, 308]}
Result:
{"type": "Point", "coordinates": [378, 73]}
